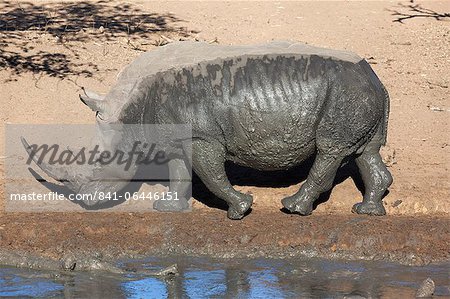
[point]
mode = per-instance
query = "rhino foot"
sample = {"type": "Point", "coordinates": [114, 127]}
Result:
{"type": "Point", "coordinates": [171, 205]}
{"type": "Point", "coordinates": [294, 205]}
{"type": "Point", "coordinates": [236, 212]}
{"type": "Point", "coordinates": [369, 208]}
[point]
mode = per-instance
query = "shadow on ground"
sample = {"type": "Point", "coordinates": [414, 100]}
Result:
{"type": "Point", "coordinates": [69, 24]}
{"type": "Point", "coordinates": [413, 11]}
{"type": "Point", "coordinates": [243, 176]}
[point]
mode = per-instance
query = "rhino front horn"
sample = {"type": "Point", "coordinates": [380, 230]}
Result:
{"type": "Point", "coordinates": [58, 173]}
{"type": "Point", "coordinates": [93, 100]}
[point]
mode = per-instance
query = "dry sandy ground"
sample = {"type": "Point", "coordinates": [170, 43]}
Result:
{"type": "Point", "coordinates": [48, 51]}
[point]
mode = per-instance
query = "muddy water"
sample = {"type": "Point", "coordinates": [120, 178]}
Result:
{"type": "Point", "coordinates": [259, 278]}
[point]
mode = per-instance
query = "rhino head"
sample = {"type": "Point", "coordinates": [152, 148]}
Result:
{"type": "Point", "coordinates": [97, 176]}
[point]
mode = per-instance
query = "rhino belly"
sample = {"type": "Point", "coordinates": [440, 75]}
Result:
{"type": "Point", "coordinates": [272, 141]}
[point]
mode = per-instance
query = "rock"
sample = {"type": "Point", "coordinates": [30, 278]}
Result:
{"type": "Point", "coordinates": [68, 263]}
{"type": "Point", "coordinates": [426, 288]}
{"type": "Point", "coordinates": [171, 270]}
{"type": "Point", "coordinates": [396, 203]}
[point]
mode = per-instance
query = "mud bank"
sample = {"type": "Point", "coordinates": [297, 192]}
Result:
{"type": "Point", "coordinates": [107, 237]}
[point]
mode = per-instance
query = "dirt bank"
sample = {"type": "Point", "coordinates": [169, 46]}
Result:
{"type": "Point", "coordinates": [408, 240]}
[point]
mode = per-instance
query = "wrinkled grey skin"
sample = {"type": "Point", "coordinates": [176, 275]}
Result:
{"type": "Point", "coordinates": [268, 107]}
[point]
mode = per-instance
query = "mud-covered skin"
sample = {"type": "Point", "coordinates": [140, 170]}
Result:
{"type": "Point", "coordinates": [267, 107]}
{"type": "Point", "coordinates": [272, 112]}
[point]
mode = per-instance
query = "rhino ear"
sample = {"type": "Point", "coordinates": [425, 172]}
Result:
{"type": "Point", "coordinates": [93, 95]}
{"type": "Point", "coordinates": [93, 100]}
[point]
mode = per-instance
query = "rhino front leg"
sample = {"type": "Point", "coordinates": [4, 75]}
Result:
{"type": "Point", "coordinates": [180, 183]}
{"type": "Point", "coordinates": [377, 180]}
{"type": "Point", "coordinates": [320, 179]}
{"type": "Point", "coordinates": [208, 161]}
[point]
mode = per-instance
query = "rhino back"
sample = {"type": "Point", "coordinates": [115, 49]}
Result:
{"type": "Point", "coordinates": [187, 72]}
{"type": "Point", "coordinates": [183, 54]}
{"type": "Point", "coordinates": [259, 105]}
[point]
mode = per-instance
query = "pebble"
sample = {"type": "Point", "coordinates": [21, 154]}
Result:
{"type": "Point", "coordinates": [426, 288]}
{"type": "Point", "coordinates": [171, 270]}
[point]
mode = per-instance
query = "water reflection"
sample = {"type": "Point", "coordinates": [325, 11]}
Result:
{"type": "Point", "coordinates": [146, 288]}
{"type": "Point", "coordinates": [206, 278]}
{"type": "Point", "coordinates": [16, 284]}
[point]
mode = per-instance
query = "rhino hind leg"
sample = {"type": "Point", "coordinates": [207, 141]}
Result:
{"type": "Point", "coordinates": [180, 183]}
{"type": "Point", "coordinates": [320, 179]}
{"type": "Point", "coordinates": [376, 178]}
{"type": "Point", "coordinates": [208, 161]}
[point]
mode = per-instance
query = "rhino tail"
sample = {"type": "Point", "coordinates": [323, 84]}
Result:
{"type": "Point", "coordinates": [384, 123]}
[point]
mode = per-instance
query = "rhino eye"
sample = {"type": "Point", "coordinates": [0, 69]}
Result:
{"type": "Point", "coordinates": [98, 115]}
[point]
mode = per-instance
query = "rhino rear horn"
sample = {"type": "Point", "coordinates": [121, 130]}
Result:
{"type": "Point", "coordinates": [93, 100]}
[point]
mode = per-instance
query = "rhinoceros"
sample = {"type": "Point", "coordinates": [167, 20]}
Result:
{"type": "Point", "coordinates": [268, 107]}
